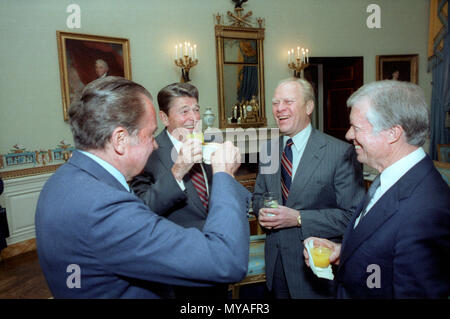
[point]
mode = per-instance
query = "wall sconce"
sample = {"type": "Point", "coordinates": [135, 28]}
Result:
{"type": "Point", "coordinates": [299, 61]}
{"type": "Point", "coordinates": [186, 58]}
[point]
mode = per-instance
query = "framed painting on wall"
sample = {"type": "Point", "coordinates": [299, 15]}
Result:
{"type": "Point", "coordinates": [84, 58]}
{"type": "Point", "coordinates": [398, 67]}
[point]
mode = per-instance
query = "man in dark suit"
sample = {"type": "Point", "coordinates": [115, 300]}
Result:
{"type": "Point", "coordinates": [168, 184]}
{"type": "Point", "coordinates": [96, 239]}
{"type": "Point", "coordinates": [398, 242]}
{"type": "Point", "coordinates": [324, 186]}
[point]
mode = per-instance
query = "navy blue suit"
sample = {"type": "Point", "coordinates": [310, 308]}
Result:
{"type": "Point", "coordinates": [85, 217]}
{"type": "Point", "coordinates": [404, 240]}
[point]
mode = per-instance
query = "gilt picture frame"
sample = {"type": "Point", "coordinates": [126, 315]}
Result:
{"type": "Point", "coordinates": [397, 67]}
{"type": "Point", "coordinates": [84, 58]}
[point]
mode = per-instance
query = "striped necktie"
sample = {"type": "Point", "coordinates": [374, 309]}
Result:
{"type": "Point", "coordinates": [286, 170]}
{"type": "Point", "coordinates": [198, 179]}
{"type": "Point", "coordinates": [372, 189]}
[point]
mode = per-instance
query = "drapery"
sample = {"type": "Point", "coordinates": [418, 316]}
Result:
{"type": "Point", "coordinates": [248, 74]}
{"type": "Point", "coordinates": [439, 64]}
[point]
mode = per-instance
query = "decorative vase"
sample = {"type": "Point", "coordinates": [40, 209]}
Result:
{"type": "Point", "coordinates": [209, 117]}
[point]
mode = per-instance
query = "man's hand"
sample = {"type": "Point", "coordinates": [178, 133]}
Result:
{"type": "Point", "coordinates": [335, 249]}
{"type": "Point", "coordinates": [190, 153]}
{"type": "Point", "coordinates": [226, 158]}
{"type": "Point", "coordinates": [284, 217]}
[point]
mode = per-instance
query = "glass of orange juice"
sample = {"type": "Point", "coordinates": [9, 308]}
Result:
{"type": "Point", "coordinates": [321, 256]}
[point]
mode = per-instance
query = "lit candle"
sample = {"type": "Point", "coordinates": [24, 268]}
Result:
{"type": "Point", "coordinates": [303, 55]}
{"type": "Point", "coordinates": [190, 49]}
{"type": "Point", "coordinates": [181, 50]}
{"type": "Point", "coordinates": [307, 56]}
{"type": "Point", "coordinates": [289, 56]}
{"type": "Point", "coordinates": [195, 52]}
{"type": "Point", "coordinates": [292, 55]}
{"type": "Point", "coordinates": [176, 52]}
{"type": "Point", "coordinates": [185, 48]}
{"type": "Point", "coordinates": [298, 52]}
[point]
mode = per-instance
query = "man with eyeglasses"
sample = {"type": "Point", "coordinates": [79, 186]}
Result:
{"type": "Point", "coordinates": [319, 184]}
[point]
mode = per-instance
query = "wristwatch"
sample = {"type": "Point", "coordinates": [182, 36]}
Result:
{"type": "Point", "coordinates": [299, 220]}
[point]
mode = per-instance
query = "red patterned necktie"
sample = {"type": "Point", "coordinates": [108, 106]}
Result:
{"type": "Point", "coordinates": [286, 170]}
{"type": "Point", "coordinates": [198, 179]}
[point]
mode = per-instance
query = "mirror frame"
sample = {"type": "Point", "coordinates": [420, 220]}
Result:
{"type": "Point", "coordinates": [222, 32]}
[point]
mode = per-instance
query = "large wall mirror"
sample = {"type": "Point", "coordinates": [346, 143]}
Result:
{"type": "Point", "coordinates": [240, 72]}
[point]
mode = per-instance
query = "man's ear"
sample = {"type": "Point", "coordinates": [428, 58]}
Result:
{"type": "Point", "coordinates": [164, 118]}
{"type": "Point", "coordinates": [119, 140]}
{"type": "Point", "coordinates": [309, 107]}
{"type": "Point", "coordinates": [395, 133]}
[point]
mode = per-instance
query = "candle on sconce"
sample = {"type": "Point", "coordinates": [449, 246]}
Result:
{"type": "Point", "coordinates": [190, 49]}
{"type": "Point", "coordinates": [307, 56]}
{"type": "Point", "coordinates": [185, 48]}
{"type": "Point", "coordinates": [289, 56]}
{"type": "Point", "coordinates": [195, 52]}
{"type": "Point", "coordinates": [298, 52]}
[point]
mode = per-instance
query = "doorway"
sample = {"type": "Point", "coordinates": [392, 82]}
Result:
{"type": "Point", "coordinates": [334, 79]}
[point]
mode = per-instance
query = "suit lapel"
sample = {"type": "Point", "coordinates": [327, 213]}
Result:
{"type": "Point", "coordinates": [380, 212]}
{"type": "Point", "coordinates": [384, 209]}
{"type": "Point", "coordinates": [164, 152]}
{"type": "Point", "coordinates": [312, 155]}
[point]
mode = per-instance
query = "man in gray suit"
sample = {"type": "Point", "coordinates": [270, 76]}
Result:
{"type": "Point", "coordinates": [319, 183]}
{"type": "Point", "coordinates": [168, 185]}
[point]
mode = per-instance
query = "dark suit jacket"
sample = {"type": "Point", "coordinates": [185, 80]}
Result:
{"type": "Point", "coordinates": [157, 187]}
{"type": "Point", "coordinates": [85, 217]}
{"type": "Point", "coordinates": [327, 187]}
{"type": "Point", "coordinates": [406, 234]}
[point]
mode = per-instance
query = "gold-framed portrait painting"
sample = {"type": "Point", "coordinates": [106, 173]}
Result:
{"type": "Point", "coordinates": [84, 58]}
{"type": "Point", "coordinates": [398, 67]}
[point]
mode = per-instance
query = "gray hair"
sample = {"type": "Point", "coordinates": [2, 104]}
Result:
{"type": "Point", "coordinates": [106, 104]}
{"type": "Point", "coordinates": [395, 103]}
{"type": "Point", "coordinates": [306, 88]}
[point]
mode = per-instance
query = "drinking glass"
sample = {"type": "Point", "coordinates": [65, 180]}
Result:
{"type": "Point", "coordinates": [270, 200]}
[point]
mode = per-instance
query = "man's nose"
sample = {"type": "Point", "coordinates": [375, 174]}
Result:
{"type": "Point", "coordinates": [350, 134]}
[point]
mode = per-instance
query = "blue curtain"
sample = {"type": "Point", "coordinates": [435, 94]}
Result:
{"type": "Point", "coordinates": [249, 83]}
{"type": "Point", "coordinates": [440, 97]}
{"type": "Point", "coordinates": [248, 76]}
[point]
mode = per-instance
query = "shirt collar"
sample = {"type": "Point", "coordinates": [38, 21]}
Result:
{"type": "Point", "coordinates": [394, 172]}
{"type": "Point", "coordinates": [300, 137]}
{"type": "Point", "coordinates": [109, 168]}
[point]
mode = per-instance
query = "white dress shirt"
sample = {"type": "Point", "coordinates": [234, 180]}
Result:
{"type": "Point", "coordinates": [392, 174]}
{"type": "Point", "coordinates": [299, 140]}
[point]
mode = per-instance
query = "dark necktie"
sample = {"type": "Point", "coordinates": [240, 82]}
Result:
{"type": "Point", "coordinates": [372, 189]}
{"type": "Point", "coordinates": [286, 170]}
{"type": "Point", "coordinates": [198, 179]}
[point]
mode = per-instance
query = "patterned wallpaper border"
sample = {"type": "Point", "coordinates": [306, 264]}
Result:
{"type": "Point", "coordinates": [20, 162]}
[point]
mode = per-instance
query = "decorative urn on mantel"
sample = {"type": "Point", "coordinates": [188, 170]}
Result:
{"type": "Point", "coordinates": [209, 117]}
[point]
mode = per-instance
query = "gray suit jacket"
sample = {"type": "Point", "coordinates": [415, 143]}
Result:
{"type": "Point", "coordinates": [157, 187]}
{"type": "Point", "coordinates": [326, 189]}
